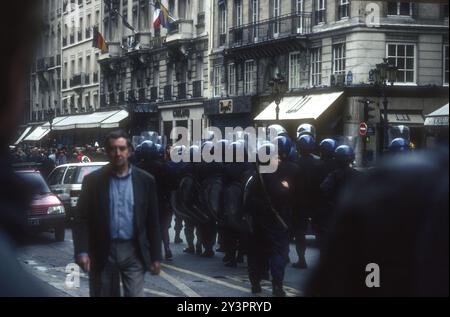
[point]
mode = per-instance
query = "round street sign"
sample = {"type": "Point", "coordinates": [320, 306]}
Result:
{"type": "Point", "coordinates": [363, 129]}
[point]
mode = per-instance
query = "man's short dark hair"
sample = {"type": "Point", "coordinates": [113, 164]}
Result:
{"type": "Point", "coordinates": [114, 135]}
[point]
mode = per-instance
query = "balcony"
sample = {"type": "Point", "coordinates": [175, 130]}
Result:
{"type": "Point", "coordinates": [141, 95]}
{"type": "Point", "coordinates": [41, 65]}
{"type": "Point", "coordinates": [182, 91]}
{"type": "Point", "coordinates": [181, 30]}
{"type": "Point", "coordinates": [280, 30]}
{"type": "Point", "coordinates": [131, 95]}
{"type": "Point", "coordinates": [197, 89]}
{"type": "Point", "coordinates": [112, 100]}
{"type": "Point", "coordinates": [154, 93]}
{"type": "Point", "coordinates": [79, 80]}
{"type": "Point", "coordinates": [51, 62]}
{"type": "Point", "coordinates": [122, 100]}
{"type": "Point", "coordinates": [167, 92]}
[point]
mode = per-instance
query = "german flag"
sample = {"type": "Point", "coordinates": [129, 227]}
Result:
{"type": "Point", "coordinates": [98, 41]}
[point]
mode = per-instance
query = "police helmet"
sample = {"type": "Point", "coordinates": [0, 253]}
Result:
{"type": "Point", "coordinates": [284, 145]}
{"type": "Point", "coordinates": [399, 145]}
{"type": "Point", "coordinates": [148, 150]}
{"type": "Point", "coordinates": [344, 154]}
{"type": "Point", "coordinates": [306, 144]}
{"type": "Point", "coordinates": [306, 128]}
{"type": "Point", "coordinates": [327, 147]}
{"type": "Point", "coordinates": [279, 130]}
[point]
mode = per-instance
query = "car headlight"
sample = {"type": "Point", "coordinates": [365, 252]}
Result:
{"type": "Point", "coordinates": [55, 210]}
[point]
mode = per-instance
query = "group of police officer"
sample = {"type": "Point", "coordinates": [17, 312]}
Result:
{"type": "Point", "coordinates": [246, 211]}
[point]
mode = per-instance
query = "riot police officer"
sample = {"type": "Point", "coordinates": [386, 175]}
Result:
{"type": "Point", "coordinates": [306, 193]}
{"type": "Point", "coordinates": [399, 145]}
{"type": "Point", "coordinates": [339, 178]}
{"type": "Point", "coordinates": [153, 163]}
{"type": "Point", "coordinates": [325, 166]}
{"type": "Point", "coordinates": [268, 198]}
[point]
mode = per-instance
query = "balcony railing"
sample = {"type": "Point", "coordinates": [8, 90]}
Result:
{"type": "Point", "coordinates": [41, 64]}
{"type": "Point", "coordinates": [182, 93]}
{"type": "Point", "coordinates": [112, 99]}
{"type": "Point", "coordinates": [122, 98]}
{"type": "Point", "coordinates": [197, 89]}
{"type": "Point", "coordinates": [79, 80]}
{"type": "Point", "coordinates": [271, 29]}
{"type": "Point", "coordinates": [141, 96]}
{"type": "Point", "coordinates": [181, 30]}
{"type": "Point", "coordinates": [51, 61]}
{"type": "Point", "coordinates": [154, 93]}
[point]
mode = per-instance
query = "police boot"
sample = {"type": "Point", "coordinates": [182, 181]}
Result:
{"type": "Point", "coordinates": [256, 285]}
{"type": "Point", "coordinates": [168, 254]}
{"type": "Point", "coordinates": [277, 289]}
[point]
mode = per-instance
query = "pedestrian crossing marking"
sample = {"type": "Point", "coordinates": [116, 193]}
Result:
{"type": "Point", "coordinates": [186, 290]}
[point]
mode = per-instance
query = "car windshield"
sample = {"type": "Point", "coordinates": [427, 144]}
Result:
{"type": "Point", "coordinates": [37, 181]}
{"type": "Point", "coordinates": [84, 171]}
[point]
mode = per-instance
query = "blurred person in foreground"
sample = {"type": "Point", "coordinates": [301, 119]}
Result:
{"type": "Point", "coordinates": [395, 216]}
{"type": "Point", "coordinates": [19, 24]}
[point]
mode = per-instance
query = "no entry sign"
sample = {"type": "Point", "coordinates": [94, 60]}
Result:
{"type": "Point", "coordinates": [363, 128]}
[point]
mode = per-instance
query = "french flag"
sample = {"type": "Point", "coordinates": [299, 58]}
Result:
{"type": "Point", "coordinates": [161, 16]}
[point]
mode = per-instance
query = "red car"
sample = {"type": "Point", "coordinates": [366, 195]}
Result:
{"type": "Point", "coordinates": [46, 212]}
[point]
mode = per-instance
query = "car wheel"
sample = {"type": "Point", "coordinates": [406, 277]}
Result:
{"type": "Point", "coordinates": [60, 233]}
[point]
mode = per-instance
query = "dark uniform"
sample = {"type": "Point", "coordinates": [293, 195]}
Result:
{"type": "Point", "coordinates": [269, 239]}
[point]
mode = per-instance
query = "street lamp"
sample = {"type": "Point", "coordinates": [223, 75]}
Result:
{"type": "Point", "coordinates": [279, 88]}
{"type": "Point", "coordinates": [382, 75]}
{"type": "Point", "coordinates": [51, 116]}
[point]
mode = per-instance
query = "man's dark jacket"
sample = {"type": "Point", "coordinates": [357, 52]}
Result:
{"type": "Point", "coordinates": [92, 222]}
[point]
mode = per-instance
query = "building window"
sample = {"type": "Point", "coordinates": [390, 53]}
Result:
{"type": "Point", "coordinates": [344, 9]}
{"type": "Point", "coordinates": [231, 79]}
{"type": "Point", "coordinates": [339, 58]}
{"type": "Point", "coordinates": [446, 65]}
{"type": "Point", "coordinates": [403, 56]}
{"type": "Point", "coordinates": [294, 70]}
{"type": "Point", "coordinates": [400, 8]}
{"type": "Point", "coordinates": [255, 18]}
{"type": "Point", "coordinates": [320, 11]}
{"type": "Point", "coordinates": [239, 12]}
{"type": "Point", "coordinates": [222, 24]}
{"type": "Point", "coordinates": [276, 15]}
{"type": "Point", "coordinates": [250, 77]}
{"type": "Point", "coordinates": [217, 81]}
{"type": "Point", "coordinates": [316, 66]}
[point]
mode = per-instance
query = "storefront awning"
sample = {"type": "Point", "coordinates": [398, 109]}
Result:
{"type": "Point", "coordinates": [114, 120]}
{"type": "Point", "coordinates": [400, 118]}
{"type": "Point", "coordinates": [438, 117]}
{"type": "Point", "coordinates": [38, 134]}
{"type": "Point", "coordinates": [301, 107]}
{"type": "Point", "coordinates": [89, 121]}
{"type": "Point", "coordinates": [23, 135]}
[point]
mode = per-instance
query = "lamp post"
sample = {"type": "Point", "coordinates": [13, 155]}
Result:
{"type": "Point", "coordinates": [51, 116]}
{"type": "Point", "coordinates": [279, 88]}
{"type": "Point", "coordinates": [384, 74]}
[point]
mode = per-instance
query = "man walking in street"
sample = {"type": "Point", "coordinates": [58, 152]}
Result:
{"type": "Point", "coordinates": [117, 233]}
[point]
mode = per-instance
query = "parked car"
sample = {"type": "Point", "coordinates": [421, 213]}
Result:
{"type": "Point", "coordinates": [66, 180]}
{"type": "Point", "coordinates": [46, 211]}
